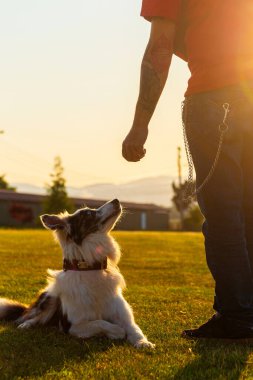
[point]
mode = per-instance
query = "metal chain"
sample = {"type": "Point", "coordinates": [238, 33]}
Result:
{"type": "Point", "coordinates": [191, 191]}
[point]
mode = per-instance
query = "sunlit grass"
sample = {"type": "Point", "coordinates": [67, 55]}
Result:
{"type": "Point", "coordinates": [169, 288]}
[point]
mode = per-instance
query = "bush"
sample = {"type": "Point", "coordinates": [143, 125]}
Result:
{"type": "Point", "coordinates": [194, 219]}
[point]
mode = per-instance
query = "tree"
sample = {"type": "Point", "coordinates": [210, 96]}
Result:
{"type": "Point", "coordinates": [57, 197]}
{"type": "Point", "coordinates": [4, 185]}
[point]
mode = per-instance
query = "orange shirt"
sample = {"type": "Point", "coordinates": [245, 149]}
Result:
{"type": "Point", "coordinates": [219, 39]}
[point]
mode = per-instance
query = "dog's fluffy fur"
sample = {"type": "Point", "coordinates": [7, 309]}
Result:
{"type": "Point", "coordinates": [83, 303]}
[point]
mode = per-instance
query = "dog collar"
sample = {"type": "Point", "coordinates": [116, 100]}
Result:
{"type": "Point", "coordinates": [77, 265]}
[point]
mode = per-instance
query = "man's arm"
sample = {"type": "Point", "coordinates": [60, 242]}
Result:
{"type": "Point", "coordinates": [154, 73]}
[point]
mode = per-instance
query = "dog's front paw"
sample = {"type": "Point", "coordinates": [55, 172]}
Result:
{"type": "Point", "coordinates": [25, 325]}
{"type": "Point", "coordinates": [144, 343]}
{"type": "Point", "coordinates": [116, 332]}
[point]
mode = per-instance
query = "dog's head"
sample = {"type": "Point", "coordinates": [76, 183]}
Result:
{"type": "Point", "coordinates": [84, 222]}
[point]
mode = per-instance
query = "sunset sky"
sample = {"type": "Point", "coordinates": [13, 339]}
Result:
{"type": "Point", "coordinates": [69, 84]}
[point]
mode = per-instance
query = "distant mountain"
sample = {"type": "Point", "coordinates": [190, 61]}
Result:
{"type": "Point", "coordinates": [28, 188]}
{"type": "Point", "coordinates": [155, 190]}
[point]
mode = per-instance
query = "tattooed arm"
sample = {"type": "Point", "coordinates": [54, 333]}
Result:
{"type": "Point", "coordinates": [154, 73]}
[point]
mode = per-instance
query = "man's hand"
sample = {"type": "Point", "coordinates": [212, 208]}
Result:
{"type": "Point", "coordinates": [133, 145]}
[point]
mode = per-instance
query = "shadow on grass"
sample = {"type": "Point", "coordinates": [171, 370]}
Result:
{"type": "Point", "coordinates": [34, 352]}
{"type": "Point", "coordinates": [216, 360]}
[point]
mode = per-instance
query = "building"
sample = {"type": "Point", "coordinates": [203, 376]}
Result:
{"type": "Point", "coordinates": [23, 210]}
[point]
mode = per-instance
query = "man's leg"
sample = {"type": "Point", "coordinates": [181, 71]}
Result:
{"type": "Point", "coordinates": [247, 164]}
{"type": "Point", "coordinates": [221, 202]}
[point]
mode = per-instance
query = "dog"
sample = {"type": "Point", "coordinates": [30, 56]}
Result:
{"type": "Point", "coordinates": [85, 298]}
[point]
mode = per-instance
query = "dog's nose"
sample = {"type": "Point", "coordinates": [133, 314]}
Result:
{"type": "Point", "coordinates": [116, 202]}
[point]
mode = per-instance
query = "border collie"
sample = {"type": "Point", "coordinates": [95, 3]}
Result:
{"type": "Point", "coordinates": [85, 298]}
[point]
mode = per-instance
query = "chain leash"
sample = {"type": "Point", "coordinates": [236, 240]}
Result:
{"type": "Point", "coordinates": [191, 191]}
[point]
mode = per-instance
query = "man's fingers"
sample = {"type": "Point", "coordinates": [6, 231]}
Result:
{"type": "Point", "coordinates": [126, 152]}
{"type": "Point", "coordinates": [132, 152]}
{"type": "Point", "coordinates": [133, 145]}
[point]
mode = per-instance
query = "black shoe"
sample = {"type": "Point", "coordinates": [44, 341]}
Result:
{"type": "Point", "coordinates": [220, 327]}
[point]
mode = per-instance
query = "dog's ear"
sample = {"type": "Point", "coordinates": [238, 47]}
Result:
{"type": "Point", "coordinates": [52, 222]}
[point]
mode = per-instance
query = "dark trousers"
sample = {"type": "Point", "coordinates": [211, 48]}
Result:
{"type": "Point", "coordinates": [227, 200]}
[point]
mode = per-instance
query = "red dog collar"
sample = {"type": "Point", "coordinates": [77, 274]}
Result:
{"type": "Point", "coordinates": [77, 265]}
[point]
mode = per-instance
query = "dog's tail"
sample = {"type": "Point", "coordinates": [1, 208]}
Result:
{"type": "Point", "coordinates": [11, 310]}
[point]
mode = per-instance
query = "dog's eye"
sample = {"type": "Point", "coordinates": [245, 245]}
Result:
{"type": "Point", "coordinates": [87, 213]}
{"type": "Point", "coordinates": [90, 214]}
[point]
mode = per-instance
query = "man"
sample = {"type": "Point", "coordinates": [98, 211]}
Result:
{"type": "Point", "coordinates": [218, 119]}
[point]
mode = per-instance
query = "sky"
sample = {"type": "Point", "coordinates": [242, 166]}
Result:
{"type": "Point", "coordinates": [69, 74]}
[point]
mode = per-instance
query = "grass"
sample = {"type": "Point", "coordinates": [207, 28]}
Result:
{"type": "Point", "coordinates": [169, 288]}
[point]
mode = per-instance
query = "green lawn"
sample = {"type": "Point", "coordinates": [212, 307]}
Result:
{"type": "Point", "coordinates": [169, 288]}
